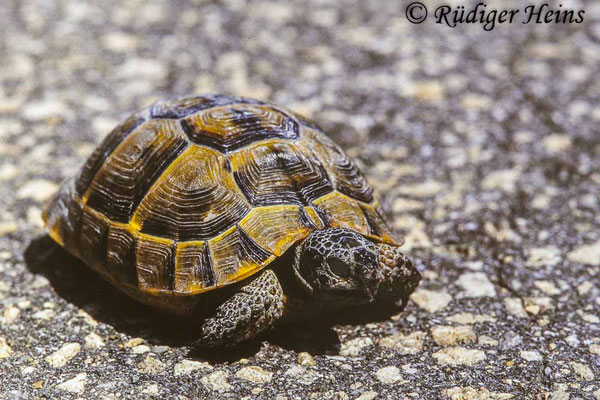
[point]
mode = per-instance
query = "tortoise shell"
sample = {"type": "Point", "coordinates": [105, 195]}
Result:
{"type": "Point", "coordinates": [196, 193]}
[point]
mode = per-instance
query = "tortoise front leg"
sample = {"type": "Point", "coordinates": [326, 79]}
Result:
{"type": "Point", "coordinates": [252, 310]}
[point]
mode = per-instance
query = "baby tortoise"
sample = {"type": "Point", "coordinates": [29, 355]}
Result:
{"type": "Point", "coordinates": [232, 212]}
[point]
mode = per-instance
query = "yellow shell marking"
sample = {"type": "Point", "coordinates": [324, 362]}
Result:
{"type": "Point", "coordinates": [343, 212]}
{"type": "Point", "coordinates": [275, 228]}
{"type": "Point", "coordinates": [314, 217]}
{"type": "Point", "coordinates": [233, 258]}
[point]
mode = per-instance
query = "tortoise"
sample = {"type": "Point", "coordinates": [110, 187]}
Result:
{"type": "Point", "coordinates": [232, 212]}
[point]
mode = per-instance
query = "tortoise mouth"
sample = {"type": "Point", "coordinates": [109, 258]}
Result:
{"type": "Point", "coordinates": [365, 296]}
{"type": "Point", "coordinates": [348, 293]}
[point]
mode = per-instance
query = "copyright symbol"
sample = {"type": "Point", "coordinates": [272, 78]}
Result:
{"type": "Point", "coordinates": [416, 12]}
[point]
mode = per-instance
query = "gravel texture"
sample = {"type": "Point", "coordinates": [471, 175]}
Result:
{"type": "Point", "coordinates": [484, 147]}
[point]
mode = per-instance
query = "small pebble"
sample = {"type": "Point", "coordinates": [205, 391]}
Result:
{"type": "Point", "coordinates": [586, 254]}
{"type": "Point", "coordinates": [151, 365]}
{"type": "Point", "coordinates": [306, 359]}
{"type": "Point", "coordinates": [511, 340]}
{"type": "Point", "coordinates": [431, 301]}
{"type": "Point", "coordinates": [27, 370]}
{"type": "Point", "coordinates": [459, 356]}
{"type": "Point", "coordinates": [404, 344]}
{"type": "Point", "coordinates": [254, 374]}
{"type": "Point", "coordinates": [476, 284]}
{"type": "Point", "coordinates": [451, 335]}
{"type": "Point", "coordinates": [388, 375]}
{"type": "Point", "coordinates": [217, 381]}
{"type": "Point", "coordinates": [368, 395]}
{"type": "Point", "coordinates": [582, 371]}
{"type": "Point", "coordinates": [301, 374]}
{"type": "Point", "coordinates": [531, 355]}
{"type": "Point", "coordinates": [5, 350]}
{"type": "Point", "coordinates": [186, 367]}
{"type": "Point", "coordinates": [140, 349]}
{"type": "Point", "coordinates": [74, 385]}
{"type": "Point", "coordinates": [133, 342]}
{"type": "Point", "coordinates": [63, 355]}
{"type": "Point", "coordinates": [355, 346]}
{"type": "Point", "coordinates": [10, 314]}
{"type": "Point", "coordinates": [93, 341]}
{"type": "Point", "coordinates": [151, 389]}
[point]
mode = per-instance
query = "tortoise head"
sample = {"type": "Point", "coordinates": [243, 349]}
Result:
{"type": "Point", "coordinates": [338, 265]}
{"type": "Point", "coordinates": [343, 266]}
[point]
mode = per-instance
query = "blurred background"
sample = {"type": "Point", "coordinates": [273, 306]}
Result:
{"type": "Point", "coordinates": [483, 146]}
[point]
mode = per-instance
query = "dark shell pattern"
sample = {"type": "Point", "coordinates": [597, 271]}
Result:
{"type": "Point", "coordinates": [193, 194]}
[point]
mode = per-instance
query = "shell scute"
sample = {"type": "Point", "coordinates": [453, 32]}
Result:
{"type": "Point", "coordinates": [195, 199]}
{"type": "Point", "coordinates": [107, 147]}
{"type": "Point", "coordinates": [341, 211]}
{"type": "Point", "coordinates": [121, 257]}
{"type": "Point", "coordinates": [377, 225]}
{"type": "Point", "coordinates": [235, 255]}
{"type": "Point", "coordinates": [232, 127]}
{"type": "Point", "coordinates": [342, 170]}
{"type": "Point", "coordinates": [193, 268]}
{"type": "Point", "coordinates": [278, 172]}
{"type": "Point", "coordinates": [63, 217]}
{"type": "Point", "coordinates": [93, 238]}
{"type": "Point", "coordinates": [275, 228]}
{"type": "Point", "coordinates": [155, 263]}
{"type": "Point", "coordinates": [132, 168]}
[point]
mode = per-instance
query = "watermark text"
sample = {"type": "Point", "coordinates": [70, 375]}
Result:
{"type": "Point", "coordinates": [490, 18]}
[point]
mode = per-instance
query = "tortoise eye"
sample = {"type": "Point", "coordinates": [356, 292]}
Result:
{"type": "Point", "coordinates": [338, 267]}
{"type": "Point", "coordinates": [365, 257]}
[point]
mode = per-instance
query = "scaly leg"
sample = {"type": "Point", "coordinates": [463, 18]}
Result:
{"type": "Point", "coordinates": [254, 309]}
